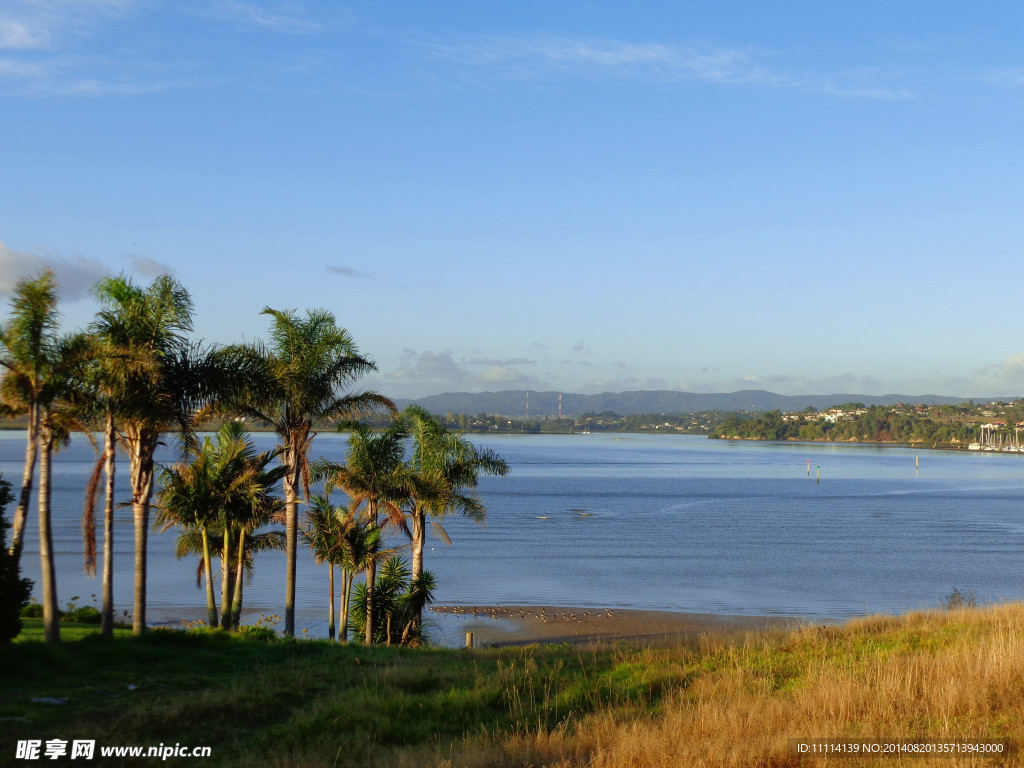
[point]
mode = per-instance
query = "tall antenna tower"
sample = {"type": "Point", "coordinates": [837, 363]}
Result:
{"type": "Point", "coordinates": [527, 403]}
{"type": "Point", "coordinates": [559, 405]}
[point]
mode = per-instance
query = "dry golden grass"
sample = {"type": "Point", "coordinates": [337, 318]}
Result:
{"type": "Point", "coordinates": [941, 675]}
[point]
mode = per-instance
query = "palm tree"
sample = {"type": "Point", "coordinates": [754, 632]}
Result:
{"type": "Point", "coordinates": [26, 341]}
{"type": "Point", "coordinates": [56, 418]}
{"type": "Point", "coordinates": [376, 479]}
{"type": "Point", "coordinates": [189, 542]}
{"type": "Point", "coordinates": [337, 536]}
{"type": "Point", "coordinates": [400, 600]}
{"type": "Point", "coordinates": [151, 324]}
{"type": "Point", "coordinates": [447, 468]}
{"type": "Point", "coordinates": [42, 368]}
{"type": "Point", "coordinates": [187, 499]}
{"type": "Point", "coordinates": [303, 377]}
{"type": "Point", "coordinates": [255, 508]}
{"type": "Point", "coordinates": [109, 370]}
{"type": "Point", "coordinates": [322, 535]}
{"type": "Point", "coordinates": [359, 545]}
{"type": "Point", "coordinates": [221, 494]}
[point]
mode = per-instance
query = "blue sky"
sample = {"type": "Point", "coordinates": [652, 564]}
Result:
{"type": "Point", "coordinates": [803, 197]}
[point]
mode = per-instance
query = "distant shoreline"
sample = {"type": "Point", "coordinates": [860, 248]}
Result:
{"type": "Point", "coordinates": [868, 443]}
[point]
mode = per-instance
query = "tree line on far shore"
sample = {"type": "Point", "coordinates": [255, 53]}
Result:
{"type": "Point", "coordinates": [938, 425]}
{"type": "Point", "coordinates": [134, 376]}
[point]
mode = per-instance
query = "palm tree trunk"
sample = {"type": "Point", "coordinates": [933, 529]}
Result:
{"type": "Point", "coordinates": [371, 577]}
{"type": "Point", "coordinates": [51, 615]}
{"type": "Point", "coordinates": [330, 611]}
{"type": "Point", "coordinates": [211, 599]}
{"type": "Point", "coordinates": [141, 469]}
{"type": "Point", "coordinates": [225, 581]}
{"type": "Point", "coordinates": [31, 451]}
{"type": "Point", "coordinates": [346, 591]}
{"type": "Point", "coordinates": [236, 599]}
{"type": "Point", "coordinates": [419, 538]}
{"type": "Point", "coordinates": [140, 518]}
{"type": "Point", "coordinates": [291, 529]}
{"type": "Point", "coordinates": [107, 616]}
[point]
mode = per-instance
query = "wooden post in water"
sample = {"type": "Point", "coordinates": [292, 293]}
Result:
{"type": "Point", "coordinates": [819, 474]}
{"type": "Point", "coordinates": [808, 468]}
{"type": "Point", "coordinates": [469, 639]}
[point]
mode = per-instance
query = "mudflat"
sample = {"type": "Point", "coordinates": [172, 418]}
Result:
{"type": "Point", "coordinates": [506, 625]}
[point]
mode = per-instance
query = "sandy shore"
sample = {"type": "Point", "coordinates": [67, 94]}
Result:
{"type": "Point", "coordinates": [523, 625]}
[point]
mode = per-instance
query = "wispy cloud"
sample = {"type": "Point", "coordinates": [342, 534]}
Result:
{"type": "Point", "coordinates": [866, 83]}
{"type": "Point", "coordinates": [287, 18]}
{"type": "Point", "coordinates": [1008, 78]}
{"type": "Point", "coordinates": [880, 94]}
{"type": "Point", "coordinates": [74, 274]}
{"type": "Point", "coordinates": [44, 24]}
{"type": "Point", "coordinates": [82, 78]}
{"type": "Point", "coordinates": [543, 56]}
{"type": "Point", "coordinates": [13, 70]}
{"type": "Point", "coordinates": [46, 52]}
{"type": "Point", "coordinates": [48, 47]}
{"type": "Point", "coordinates": [341, 269]}
{"type": "Point", "coordinates": [549, 58]}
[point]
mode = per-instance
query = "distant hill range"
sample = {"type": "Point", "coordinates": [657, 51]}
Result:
{"type": "Point", "coordinates": [513, 402]}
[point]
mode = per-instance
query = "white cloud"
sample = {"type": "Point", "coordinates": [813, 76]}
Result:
{"type": "Point", "coordinates": [493, 361]}
{"type": "Point", "coordinates": [501, 374]}
{"type": "Point", "coordinates": [18, 35]}
{"type": "Point", "coordinates": [147, 267]}
{"type": "Point", "coordinates": [44, 24]}
{"type": "Point", "coordinates": [75, 275]}
{"type": "Point", "coordinates": [423, 373]}
{"type": "Point", "coordinates": [781, 384]}
{"type": "Point", "coordinates": [1005, 379]}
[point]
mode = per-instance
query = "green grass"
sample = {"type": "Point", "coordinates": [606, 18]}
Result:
{"type": "Point", "coordinates": [259, 702]}
{"type": "Point", "coordinates": [308, 702]}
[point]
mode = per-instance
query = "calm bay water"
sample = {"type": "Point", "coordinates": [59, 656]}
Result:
{"type": "Point", "coordinates": [661, 522]}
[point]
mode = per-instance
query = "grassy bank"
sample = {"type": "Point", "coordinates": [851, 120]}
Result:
{"type": "Point", "coordinates": [724, 700]}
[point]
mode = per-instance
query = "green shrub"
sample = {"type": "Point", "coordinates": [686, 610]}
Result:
{"type": "Point", "coordinates": [14, 590]}
{"type": "Point", "coordinates": [257, 633]}
{"type": "Point", "coordinates": [33, 610]}
{"type": "Point", "coordinates": [87, 614]}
